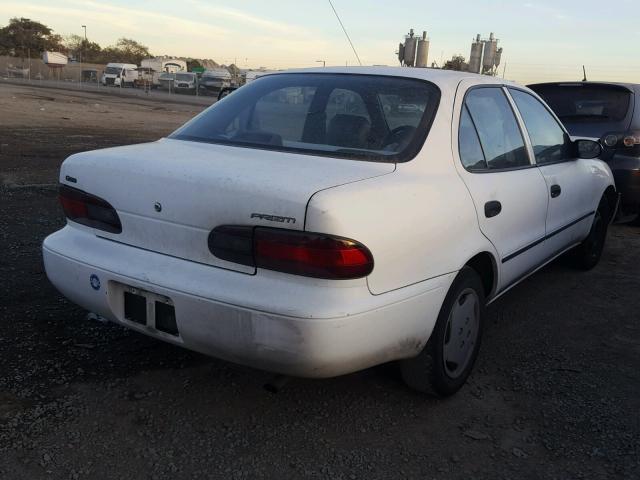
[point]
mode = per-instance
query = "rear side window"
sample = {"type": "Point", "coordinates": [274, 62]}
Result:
{"type": "Point", "coordinates": [497, 128]}
{"type": "Point", "coordinates": [550, 143]}
{"type": "Point", "coordinates": [365, 117]}
{"type": "Point", "coordinates": [470, 149]}
{"type": "Point", "coordinates": [585, 103]}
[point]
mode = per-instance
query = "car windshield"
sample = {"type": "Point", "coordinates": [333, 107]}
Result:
{"type": "Point", "coordinates": [367, 117]}
{"type": "Point", "coordinates": [579, 103]}
{"type": "Point", "coordinates": [184, 77]}
{"type": "Point", "coordinates": [112, 70]}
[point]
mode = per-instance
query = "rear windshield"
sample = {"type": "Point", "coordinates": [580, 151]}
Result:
{"type": "Point", "coordinates": [184, 77]}
{"type": "Point", "coordinates": [367, 117]}
{"type": "Point", "coordinates": [578, 103]}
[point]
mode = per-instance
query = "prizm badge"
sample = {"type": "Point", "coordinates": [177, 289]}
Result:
{"type": "Point", "coordinates": [273, 218]}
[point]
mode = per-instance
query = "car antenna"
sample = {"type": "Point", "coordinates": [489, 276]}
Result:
{"type": "Point", "coordinates": [345, 32]}
{"type": "Point", "coordinates": [584, 73]}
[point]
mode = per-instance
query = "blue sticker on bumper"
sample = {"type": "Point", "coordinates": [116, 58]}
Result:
{"type": "Point", "coordinates": [94, 281]}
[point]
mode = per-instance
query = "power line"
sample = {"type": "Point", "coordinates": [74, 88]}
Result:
{"type": "Point", "coordinates": [345, 32]}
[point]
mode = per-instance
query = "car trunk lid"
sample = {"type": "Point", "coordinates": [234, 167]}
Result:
{"type": "Point", "coordinates": [170, 194]}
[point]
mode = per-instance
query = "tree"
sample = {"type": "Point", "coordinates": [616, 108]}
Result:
{"type": "Point", "coordinates": [456, 63]}
{"type": "Point", "coordinates": [130, 51]}
{"type": "Point", "coordinates": [82, 49]}
{"type": "Point", "coordinates": [24, 36]}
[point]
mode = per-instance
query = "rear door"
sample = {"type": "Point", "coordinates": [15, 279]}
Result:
{"type": "Point", "coordinates": [568, 179]}
{"type": "Point", "coordinates": [509, 193]}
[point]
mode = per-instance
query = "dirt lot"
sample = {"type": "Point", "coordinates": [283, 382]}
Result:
{"type": "Point", "coordinates": [555, 393]}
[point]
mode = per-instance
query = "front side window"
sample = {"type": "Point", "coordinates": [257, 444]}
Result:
{"type": "Point", "coordinates": [549, 142]}
{"type": "Point", "coordinates": [366, 117]}
{"type": "Point", "coordinates": [497, 128]}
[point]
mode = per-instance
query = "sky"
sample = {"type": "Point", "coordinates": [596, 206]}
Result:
{"type": "Point", "coordinates": [542, 40]}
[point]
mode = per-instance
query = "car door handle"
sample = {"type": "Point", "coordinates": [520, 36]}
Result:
{"type": "Point", "coordinates": [492, 208]}
{"type": "Point", "coordinates": [555, 191]}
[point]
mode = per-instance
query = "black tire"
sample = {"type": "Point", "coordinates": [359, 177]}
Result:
{"type": "Point", "coordinates": [588, 253]}
{"type": "Point", "coordinates": [429, 372]}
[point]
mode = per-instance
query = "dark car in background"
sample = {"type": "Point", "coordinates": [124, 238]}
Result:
{"type": "Point", "coordinates": [610, 112]}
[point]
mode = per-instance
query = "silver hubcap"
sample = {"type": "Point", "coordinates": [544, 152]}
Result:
{"type": "Point", "coordinates": [461, 333]}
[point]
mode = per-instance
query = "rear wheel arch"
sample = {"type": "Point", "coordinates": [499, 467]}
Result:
{"type": "Point", "coordinates": [485, 266]}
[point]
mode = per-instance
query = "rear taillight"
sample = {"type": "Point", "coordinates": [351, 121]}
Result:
{"type": "Point", "coordinates": [307, 254]}
{"type": "Point", "coordinates": [89, 210]}
{"type": "Point", "coordinates": [627, 139]}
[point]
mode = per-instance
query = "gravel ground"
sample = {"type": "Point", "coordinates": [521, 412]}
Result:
{"type": "Point", "coordinates": [555, 393]}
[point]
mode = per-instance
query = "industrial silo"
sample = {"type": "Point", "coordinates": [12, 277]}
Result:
{"type": "Point", "coordinates": [475, 58]}
{"type": "Point", "coordinates": [422, 57]}
{"type": "Point", "coordinates": [489, 57]}
{"type": "Point", "coordinates": [498, 57]}
{"type": "Point", "coordinates": [410, 44]}
{"type": "Point", "coordinates": [401, 53]}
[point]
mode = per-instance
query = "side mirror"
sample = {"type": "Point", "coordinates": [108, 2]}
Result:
{"type": "Point", "coordinates": [588, 149]}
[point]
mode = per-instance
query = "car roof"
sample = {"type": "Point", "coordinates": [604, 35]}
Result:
{"type": "Point", "coordinates": [441, 78]}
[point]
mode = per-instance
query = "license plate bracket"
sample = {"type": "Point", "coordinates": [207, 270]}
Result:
{"type": "Point", "coordinates": [166, 318]}
{"type": "Point", "coordinates": [135, 308]}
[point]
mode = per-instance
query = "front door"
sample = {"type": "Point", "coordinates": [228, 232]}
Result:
{"type": "Point", "coordinates": [508, 190]}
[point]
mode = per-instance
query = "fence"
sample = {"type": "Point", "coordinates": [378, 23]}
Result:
{"type": "Point", "coordinates": [36, 69]}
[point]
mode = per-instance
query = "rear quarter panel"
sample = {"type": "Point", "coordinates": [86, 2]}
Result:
{"type": "Point", "coordinates": [419, 222]}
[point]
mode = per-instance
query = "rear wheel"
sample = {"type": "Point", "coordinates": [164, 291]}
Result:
{"type": "Point", "coordinates": [446, 361]}
{"type": "Point", "coordinates": [588, 253]}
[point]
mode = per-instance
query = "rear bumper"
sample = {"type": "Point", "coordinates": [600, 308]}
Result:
{"type": "Point", "coordinates": [626, 173]}
{"type": "Point", "coordinates": [275, 322]}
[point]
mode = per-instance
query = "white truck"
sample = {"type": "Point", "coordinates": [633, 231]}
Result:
{"type": "Point", "coordinates": [171, 65]}
{"type": "Point", "coordinates": [152, 68]}
{"type": "Point", "coordinates": [214, 80]}
{"type": "Point", "coordinates": [119, 75]}
{"type": "Point", "coordinates": [251, 75]}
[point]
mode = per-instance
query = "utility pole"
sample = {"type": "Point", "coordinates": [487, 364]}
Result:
{"type": "Point", "coordinates": [324, 64]}
{"type": "Point", "coordinates": [81, 49]}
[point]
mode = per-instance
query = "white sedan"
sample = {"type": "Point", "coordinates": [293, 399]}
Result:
{"type": "Point", "coordinates": [323, 221]}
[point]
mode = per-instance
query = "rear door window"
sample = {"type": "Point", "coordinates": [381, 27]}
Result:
{"type": "Point", "coordinates": [497, 127]}
{"type": "Point", "coordinates": [549, 141]}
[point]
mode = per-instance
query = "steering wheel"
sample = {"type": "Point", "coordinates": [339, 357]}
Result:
{"type": "Point", "coordinates": [398, 135]}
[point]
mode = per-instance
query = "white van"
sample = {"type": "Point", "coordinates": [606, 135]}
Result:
{"type": "Point", "coordinates": [186, 82]}
{"type": "Point", "coordinates": [120, 74]}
